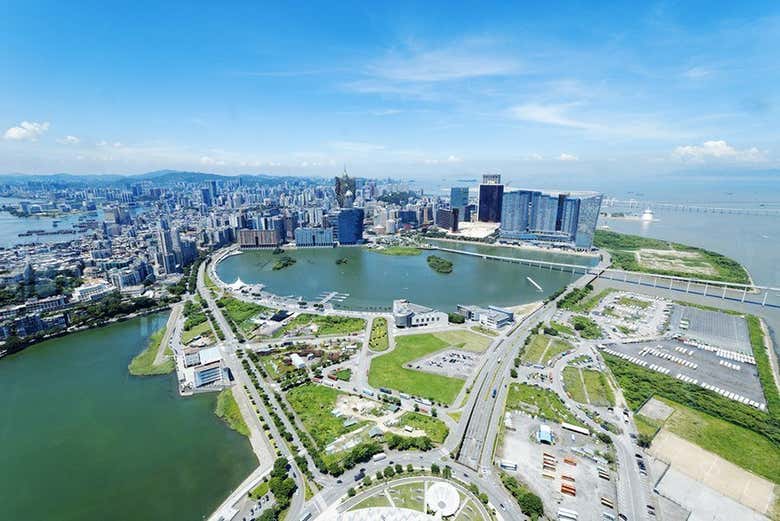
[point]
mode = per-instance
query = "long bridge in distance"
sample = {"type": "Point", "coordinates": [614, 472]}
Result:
{"type": "Point", "coordinates": [744, 293]}
{"type": "Point", "coordinates": [689, 208]}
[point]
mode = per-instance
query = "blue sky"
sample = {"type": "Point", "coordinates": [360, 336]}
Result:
{"type": "Point", "coordinates": [428, 89]}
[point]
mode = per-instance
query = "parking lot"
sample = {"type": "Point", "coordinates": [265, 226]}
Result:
{"type": "Point", "coordinates": [451, 362]}
{"type": "Point", "coordinates": [570, 462]}
{"type": "Point", "coordinates": [695, 366]}
{"type": "Point", "coordinates": [714, 328]}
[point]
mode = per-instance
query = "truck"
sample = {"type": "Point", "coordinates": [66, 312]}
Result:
{"type": "Point", "coordinates": [385, 390]}
{"type": "Point", "coordinates": [379, 457]}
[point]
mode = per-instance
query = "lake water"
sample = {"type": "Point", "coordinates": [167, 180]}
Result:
{"type": "Point", "coordinates": [373, 280]}
{"type": "Point", "coordinates": [82, 440]}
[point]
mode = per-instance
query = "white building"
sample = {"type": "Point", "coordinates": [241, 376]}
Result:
{"type": "Point", "coordinates": [407, 314]}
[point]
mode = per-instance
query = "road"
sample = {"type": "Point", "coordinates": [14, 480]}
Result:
{"type": "Point", "coordinates": [173, 320]}
{"type": "Point", "coordinates": [228, 349]}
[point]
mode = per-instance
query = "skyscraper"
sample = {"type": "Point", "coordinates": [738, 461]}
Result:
{"type": "Point", "coordinates": [491, 195]}
{"type": "Point", "coordinates": [566, 218]}
{"type": "Point", "coordinates": [342, 185]}
{"type": "Point", "coordinates": [350, 226]}
{"type": "Point", "coordinates": [459, 199]}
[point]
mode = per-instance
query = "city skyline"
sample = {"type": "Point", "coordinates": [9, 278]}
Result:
{"type": "Point", "coordinates": [626, 90]}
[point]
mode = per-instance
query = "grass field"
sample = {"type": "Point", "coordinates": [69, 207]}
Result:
{"type": "Point", "coordinates": [241, 312]}
{"type": "Point", "coordinates": [228, 410]}
{"type": "Point", "coordinates": [434, 428]}
{"type": "Point", "coordinates": [599, 391]}
{"type": "Point", "coordinates": [204, 328]}
{"type": "Point", "coordinates": [740, 446]}
{"type": "Point", "coordinates": [573, 384]}
{"type": "Point", "coordinates": [344, 374]}
{"type": "Point", "coordinates": [586, 327]}
{"type": "Point", "coordinates": [408, 496]}
{"type": "Point", "coordinates": [667, 258]}
{"type": "Point", "coordinates": [388, 370]}
{"type": "Point", "coordinates": [143, 363]}
{"type": "Point", "coordinates": [406, 251]}
{"type": "Point", "coordinates": [541, 402]}
{"type": "Point", "coordinates": [326, 325]}
{"type": "Point", "coordinates": [543, 348]}
{"type": "Point", "coordinates": [562, 329]}
{"type": "Point", "coordinates": [484, 331]}
{"type": "Point", "coordinates": [464, 339]}
{"type": "Point", "coordinates": [378, 340]}
{"type": "Point", "coordinates": [377, 500]}
{"type": "Point", "coordinates": [647, 426]}
{"type": "Point", "coordinates": [631, 301]}
{"type": "Point", "coordinates": [313, 403]}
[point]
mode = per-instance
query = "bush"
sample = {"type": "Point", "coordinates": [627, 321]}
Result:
{"type": "Point", "coordinates": [456, 318]}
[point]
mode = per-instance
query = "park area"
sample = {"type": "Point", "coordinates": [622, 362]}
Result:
{"type": "Point", "coordinates": [588, 386]}
{"type": "Point", "coordinates": [389, 370]}
{"type": "Point", "coordinates": [242, 314]}
{"type": "Point", "coordinates": [314, 404]}
{"type": "Point", "coordinates": [321, 325]}
{"type": "Point", "coordinates": [434, 428]}
{"type": "Point", "coordinates": [543, 348]}
{"type": "Point", "coordinates": [539, 402]}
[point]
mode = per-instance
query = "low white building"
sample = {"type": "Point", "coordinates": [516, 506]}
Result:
{"type": "Point", "coordinates": [407, 314]}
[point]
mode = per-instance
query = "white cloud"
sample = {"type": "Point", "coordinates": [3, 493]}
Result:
{"type": "Point", "coordinates": [468, 59]}
{"type": "Point", "coordinates": [549, 115]}
{"type": "Point", "coordinates": [568, 157]}
{"type": "Point", "coordinates": [717, 150]}
{"type": "Point", "coordinates": [356, 146]}
{"type": "Point", "coordinates": [210, 161]}
{"type": "Point", "coordinates": [695, 73]}
{"type": "Point", "coordinates": [69, 140]}
{"type": "Point", "coordinates": [26, 131]}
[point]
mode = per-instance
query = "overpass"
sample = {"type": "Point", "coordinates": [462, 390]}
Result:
{"type": "Point", "coordinates": [689, 208]}
{"type": "Point", "coordinates": [743, 293]}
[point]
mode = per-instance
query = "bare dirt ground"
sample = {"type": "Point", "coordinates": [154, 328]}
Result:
{"type": "Point", "coordinates": [722, 476]}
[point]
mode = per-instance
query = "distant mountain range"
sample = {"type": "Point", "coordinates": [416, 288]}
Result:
{"type": "Point", "coordinates": [162, 177]}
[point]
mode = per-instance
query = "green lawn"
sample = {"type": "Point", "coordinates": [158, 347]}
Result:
{"type": "Point", "coordinates": [143, 363]}
{"type": "Point", "coordinates": [201, 329]}
{"type": "Point", "coordinates": [646, 426]}
{"type": "Point", "coordinates": [738, 445]}
{"type": "Point", "coordinates": [632, 301]}
{"type": "Point", "coordinates": [541, 402]}
{"type": "Point", "coordinates": [228, 410]}
{"type": "Point", "coordinates": [562, 329]}
{"type": "Point", "coordinates": [313, 404]}
{"type": "Point", "coordinates": [573, 384]}
{"type": "Point", "coordinates": [378, 340]}
{"type": "Point", "coordinates": [326, 325]}
{"type": "Point", "coordinates": [434, 428]}
{"type": "Point", "coordinates": [599, 390]}
{"type": "Point", "coordinates": [388, 370]}
{"type": "Point", "coordinates": [344, 374]}
{"type": "Point", "coordinates": [377, 500]}
{"type": "Point", "coordinates": [543, 348]}
{"type": "Point", "coordinates": [485, 331]}
{"type": "Point", "coordinates": [408, 496]}
{"type": "Point", "coordinates": [464, 339]}
{"type": "Point", "coordinates": [241, 312]}
{"type": "Point", "coordinates": [586, 327]}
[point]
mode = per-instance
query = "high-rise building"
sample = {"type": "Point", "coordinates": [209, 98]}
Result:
{"type": "Point", "coordinates": [447, 219]}
{"type": "Point", "coordinates": [491, 196]}
{"type": "Point", "coordinates": [205, 196]}
{"type": "Point", "coordinates": [342, 185]}
{"type": "Point", "coordinates": [350, 226]}
{"type": "Point", "coordinates": [313, 237]}
{"type": "Point", "coordinates": [459, 199]}
{"type": "Point", "coordinates": [567, 218]}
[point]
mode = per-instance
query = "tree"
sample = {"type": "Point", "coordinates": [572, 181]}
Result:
{"type": "Point", "coordinates": [604, 438]}
{"type": "Point", "coordinates": [379, 475]}
{"type": "Point", "coordinates": [434, 412]}
{"type": "Point", "coordinates": [351, 492]}
{"type": "Point", "coordinates": [531, 505]}
{"type": "Point", "coordinates": [435, 469]}
{"type": "Point", "coordinates": [410, 468]}
{"type": "Point", "coordinates": [367, 481]}
{"type": "Point", "coordinates": [399, 469]}
{"type": "Point", "coordinates": [389, 472]}
{"type": "Point", "coordinates": [644, 440]}
{"type": "Point", "coordinates": [447, 472]}
{"type": "Point", "coordinates": [513, 372]}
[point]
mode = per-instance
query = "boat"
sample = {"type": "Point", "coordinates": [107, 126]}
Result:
{"type": "Point", "coordinates": [647, 215]}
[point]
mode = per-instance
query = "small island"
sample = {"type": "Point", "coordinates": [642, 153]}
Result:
{"type": "Point", "coordinates": [342, 260]}
{"type": "Point", "coordinates": [399, 250]}
{"type": "Point", "coordinates": [284, 261]}
{"type": "Point", "coordinates": [439, 265]}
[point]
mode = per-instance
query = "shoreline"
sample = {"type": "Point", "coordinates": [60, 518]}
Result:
{"type": "Point", "coordinates": [527, 247]}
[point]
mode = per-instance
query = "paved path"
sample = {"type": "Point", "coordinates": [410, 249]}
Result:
{"type": "Point", "coordinates": [173, 318]}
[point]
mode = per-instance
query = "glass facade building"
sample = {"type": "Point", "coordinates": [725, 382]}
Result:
{"type": "Point", "coordinates": [566, 218]}
{"type": "Point", "coordinates": [459, 199]}
{"type": "Point", "coordinates": [350, 224]}
{"type": "Point", "coordinates": [491, 197]}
